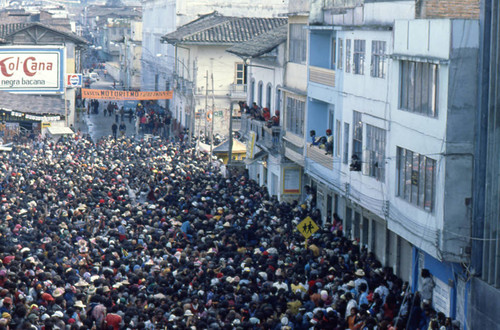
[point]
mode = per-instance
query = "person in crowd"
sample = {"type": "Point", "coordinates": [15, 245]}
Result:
{"type": "Point", "coordinates": [114, 129]}
{"type": "Point", "coordinates": [123, 128]}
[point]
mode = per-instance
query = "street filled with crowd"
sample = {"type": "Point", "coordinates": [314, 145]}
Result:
{"type": "Point", "coordinates": [136, 234]}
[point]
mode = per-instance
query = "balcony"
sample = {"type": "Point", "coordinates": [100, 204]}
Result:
{"type": "Point", "coordinates": [238, 91]}
{"type": "Point", "coordinates": [322, 76]}
{"type": "Point", "coordinates": [319, 156]}
{"type": "Point", "coordinates": [266, 137]}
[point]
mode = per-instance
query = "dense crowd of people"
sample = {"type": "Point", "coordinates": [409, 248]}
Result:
{"type": "Point", "coordinates": [126, 234]}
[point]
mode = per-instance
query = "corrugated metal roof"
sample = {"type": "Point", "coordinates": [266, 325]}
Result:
{"type": "Point", "coordinates": [7, 30]}
{"type": "Point", "coordinates": [214, 28]}
{"type": "Point", "coordinates": [32, 104]}
{"type": "Point", "coordinates": [261, 44]}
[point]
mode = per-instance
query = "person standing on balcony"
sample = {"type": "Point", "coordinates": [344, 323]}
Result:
{"type": "Point", "coordinates": [266, 114]}
{"type": "Point", "coordinates": [276, 118]}
{"type": "Point", "coordinates": [256, 111]}
{"type": "Point", "coordinates": [329, 142]}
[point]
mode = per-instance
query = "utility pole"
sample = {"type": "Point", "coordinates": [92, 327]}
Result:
{"type": "Point", "coordinates": [206, 104]}
{"type": "Point", "coordinates": [213, 116]}
{"type": "Point", "coordinates": [230, 154]}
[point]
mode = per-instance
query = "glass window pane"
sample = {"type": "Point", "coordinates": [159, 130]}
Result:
{"type": "Point", "coordinates": [408, 170]}
{"type": "Point", "coordinates": [429, 184]}
{"type": "Point", "coordinates": [346, 143]}
{"type": "Point", "coordinates": [418, 88]}
{"type": "Point", "coordinates": [341, 54]}
{"type": "Point", "coordinates": [401, 171]}
{"type": "Point", "coordinates": [433, 90]}
{"type": "Point", "coordinates": [421, 181]}
{"type": "Point", "coordinates": [414, 178]}
{"type": "Point", "coordinates": [404, 85]}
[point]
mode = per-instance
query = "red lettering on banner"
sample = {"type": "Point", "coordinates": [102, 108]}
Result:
{"type": "Point", "coordinates": [125, 95]}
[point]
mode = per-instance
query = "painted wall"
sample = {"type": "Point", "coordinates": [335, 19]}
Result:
{"type": "Point", "coordinates": [320, 54]}
{"type": "Point", "coordinates": [220, 65]}
{"type": "Point", "coordinates": [440, 232]}
{"type": "Point", "coordinates": [268, 73]}
{"type": "Point", "coordinates": [384, 12]}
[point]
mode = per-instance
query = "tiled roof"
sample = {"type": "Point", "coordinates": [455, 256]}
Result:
{"type": "Point", "coordinates": [217, 29]}
{"type": "Point", "coordinates": [261, 44]}
{"type": "Point", "coordinates": [7, 30]}
{"type": "Point", "coordinates": [32, 104]}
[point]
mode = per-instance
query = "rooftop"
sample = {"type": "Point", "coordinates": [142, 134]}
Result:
{"type": "Point", "coordinates": [261, 44]}
{"type": "Point", "coordinates": [214, 28]}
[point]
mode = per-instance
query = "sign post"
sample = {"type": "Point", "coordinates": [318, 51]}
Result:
{"type": "Point", "coordinates": [307, 227]}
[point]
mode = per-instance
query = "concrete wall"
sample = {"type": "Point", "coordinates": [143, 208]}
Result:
{"type": "Point", "coordinates": [219, 64]}
{"type": "Point", "coordinates": [483, 312]}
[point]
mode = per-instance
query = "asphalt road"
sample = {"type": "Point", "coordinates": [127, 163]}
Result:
{"type": "Point", "coordinates": [98, 125]}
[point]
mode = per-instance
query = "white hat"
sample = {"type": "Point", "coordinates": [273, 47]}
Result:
{"type": "Point", "coordinates": [79, 304]}
{"type": "Point", "coordinates": [58, 314]}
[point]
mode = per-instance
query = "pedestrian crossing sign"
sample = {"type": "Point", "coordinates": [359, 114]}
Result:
{"type": "Point", "coordinates": [307, 227]}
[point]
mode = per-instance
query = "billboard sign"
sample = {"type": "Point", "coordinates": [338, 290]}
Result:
{"type": "Point", "coordinates": [32, 69]}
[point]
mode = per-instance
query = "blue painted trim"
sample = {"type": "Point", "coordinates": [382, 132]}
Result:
{"type": "Point", "coordinates": [415, 274]}
{"type": "Point", "coordinates": [466, 303]}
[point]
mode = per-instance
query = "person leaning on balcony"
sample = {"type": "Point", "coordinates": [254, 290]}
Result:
{"type": "Point", "coordinates": [244, 108]}
{"type": "Point", "coordinates": [276, 118]}
{"type": "Point", "coordinates": [266, 114]}
{"type": "Point", "coordinates": [329, 142]}
{"type": "Point", "coordinates": [315, 140]}
{"type": "Point", "coordinates": [256, 111]}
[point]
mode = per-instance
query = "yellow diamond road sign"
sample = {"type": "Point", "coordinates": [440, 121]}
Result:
{"type": "Point", "coordinates": [307, 227]}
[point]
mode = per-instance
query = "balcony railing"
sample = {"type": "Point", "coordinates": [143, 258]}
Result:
{"type": "Point", "coordinates": [322, 76]}
{"type": "Point", "coordinates": [238, 91]}
{"type": "Point", "coordinates": [267, 137]}
{"type": "Point", "coordinates": [319, 156]}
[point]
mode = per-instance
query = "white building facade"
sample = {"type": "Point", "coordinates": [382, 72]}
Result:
{"type": "Point", "coordinates": [163, 17]}
{"type": "Point", "coordinates": [388, 83]}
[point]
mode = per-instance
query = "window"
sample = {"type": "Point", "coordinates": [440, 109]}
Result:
{"type": "Point", "coordinates": [374, 159]}
{"type": "Point", "coordinates": [357, 135]}
{"type": "Point", "coordinates": [338, 127]}
{"type": "Point", "coordinates": [295, 115]}
{"type": "Point", "coordinates": [259, 94]}
{"type": "Point", "coordinates": [298, 43]}
{"type": "Point", "coordinates": [348, 55]}
{"type": "Point", "coordinates": [419, 87]}
{"type": "Point", "coordinates": [340, 55]}
{"type": "Point", "coordinates": [378, 59]}
{"type": "Point", "coordinates": [278, 99]}
{"type": "Point", "coordinates": [334, 53]}
{"type": "Point", "coordinates": [268, 96]}
{"type": "Point", "coordinates": [416, 178]}
{"type": "Point", "coordinates": [241, 77]}
{"type": "Point", "coordinates": [359, 57]}
{"type": "Point", "coordinates": [346, 143]}
{"type": "Point", "coordinates": [252, 92]}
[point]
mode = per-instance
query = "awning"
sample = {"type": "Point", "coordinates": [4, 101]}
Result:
{"type": "Point", "coordinates": [258, 156]}
{"type": "Point", "coordinates": [422, 59]}
{"type": "Point", "coordinates": [60, 131]}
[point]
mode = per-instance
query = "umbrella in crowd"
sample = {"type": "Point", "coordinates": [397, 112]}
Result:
{"type": "Point", "coordinates": [149, 235]}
